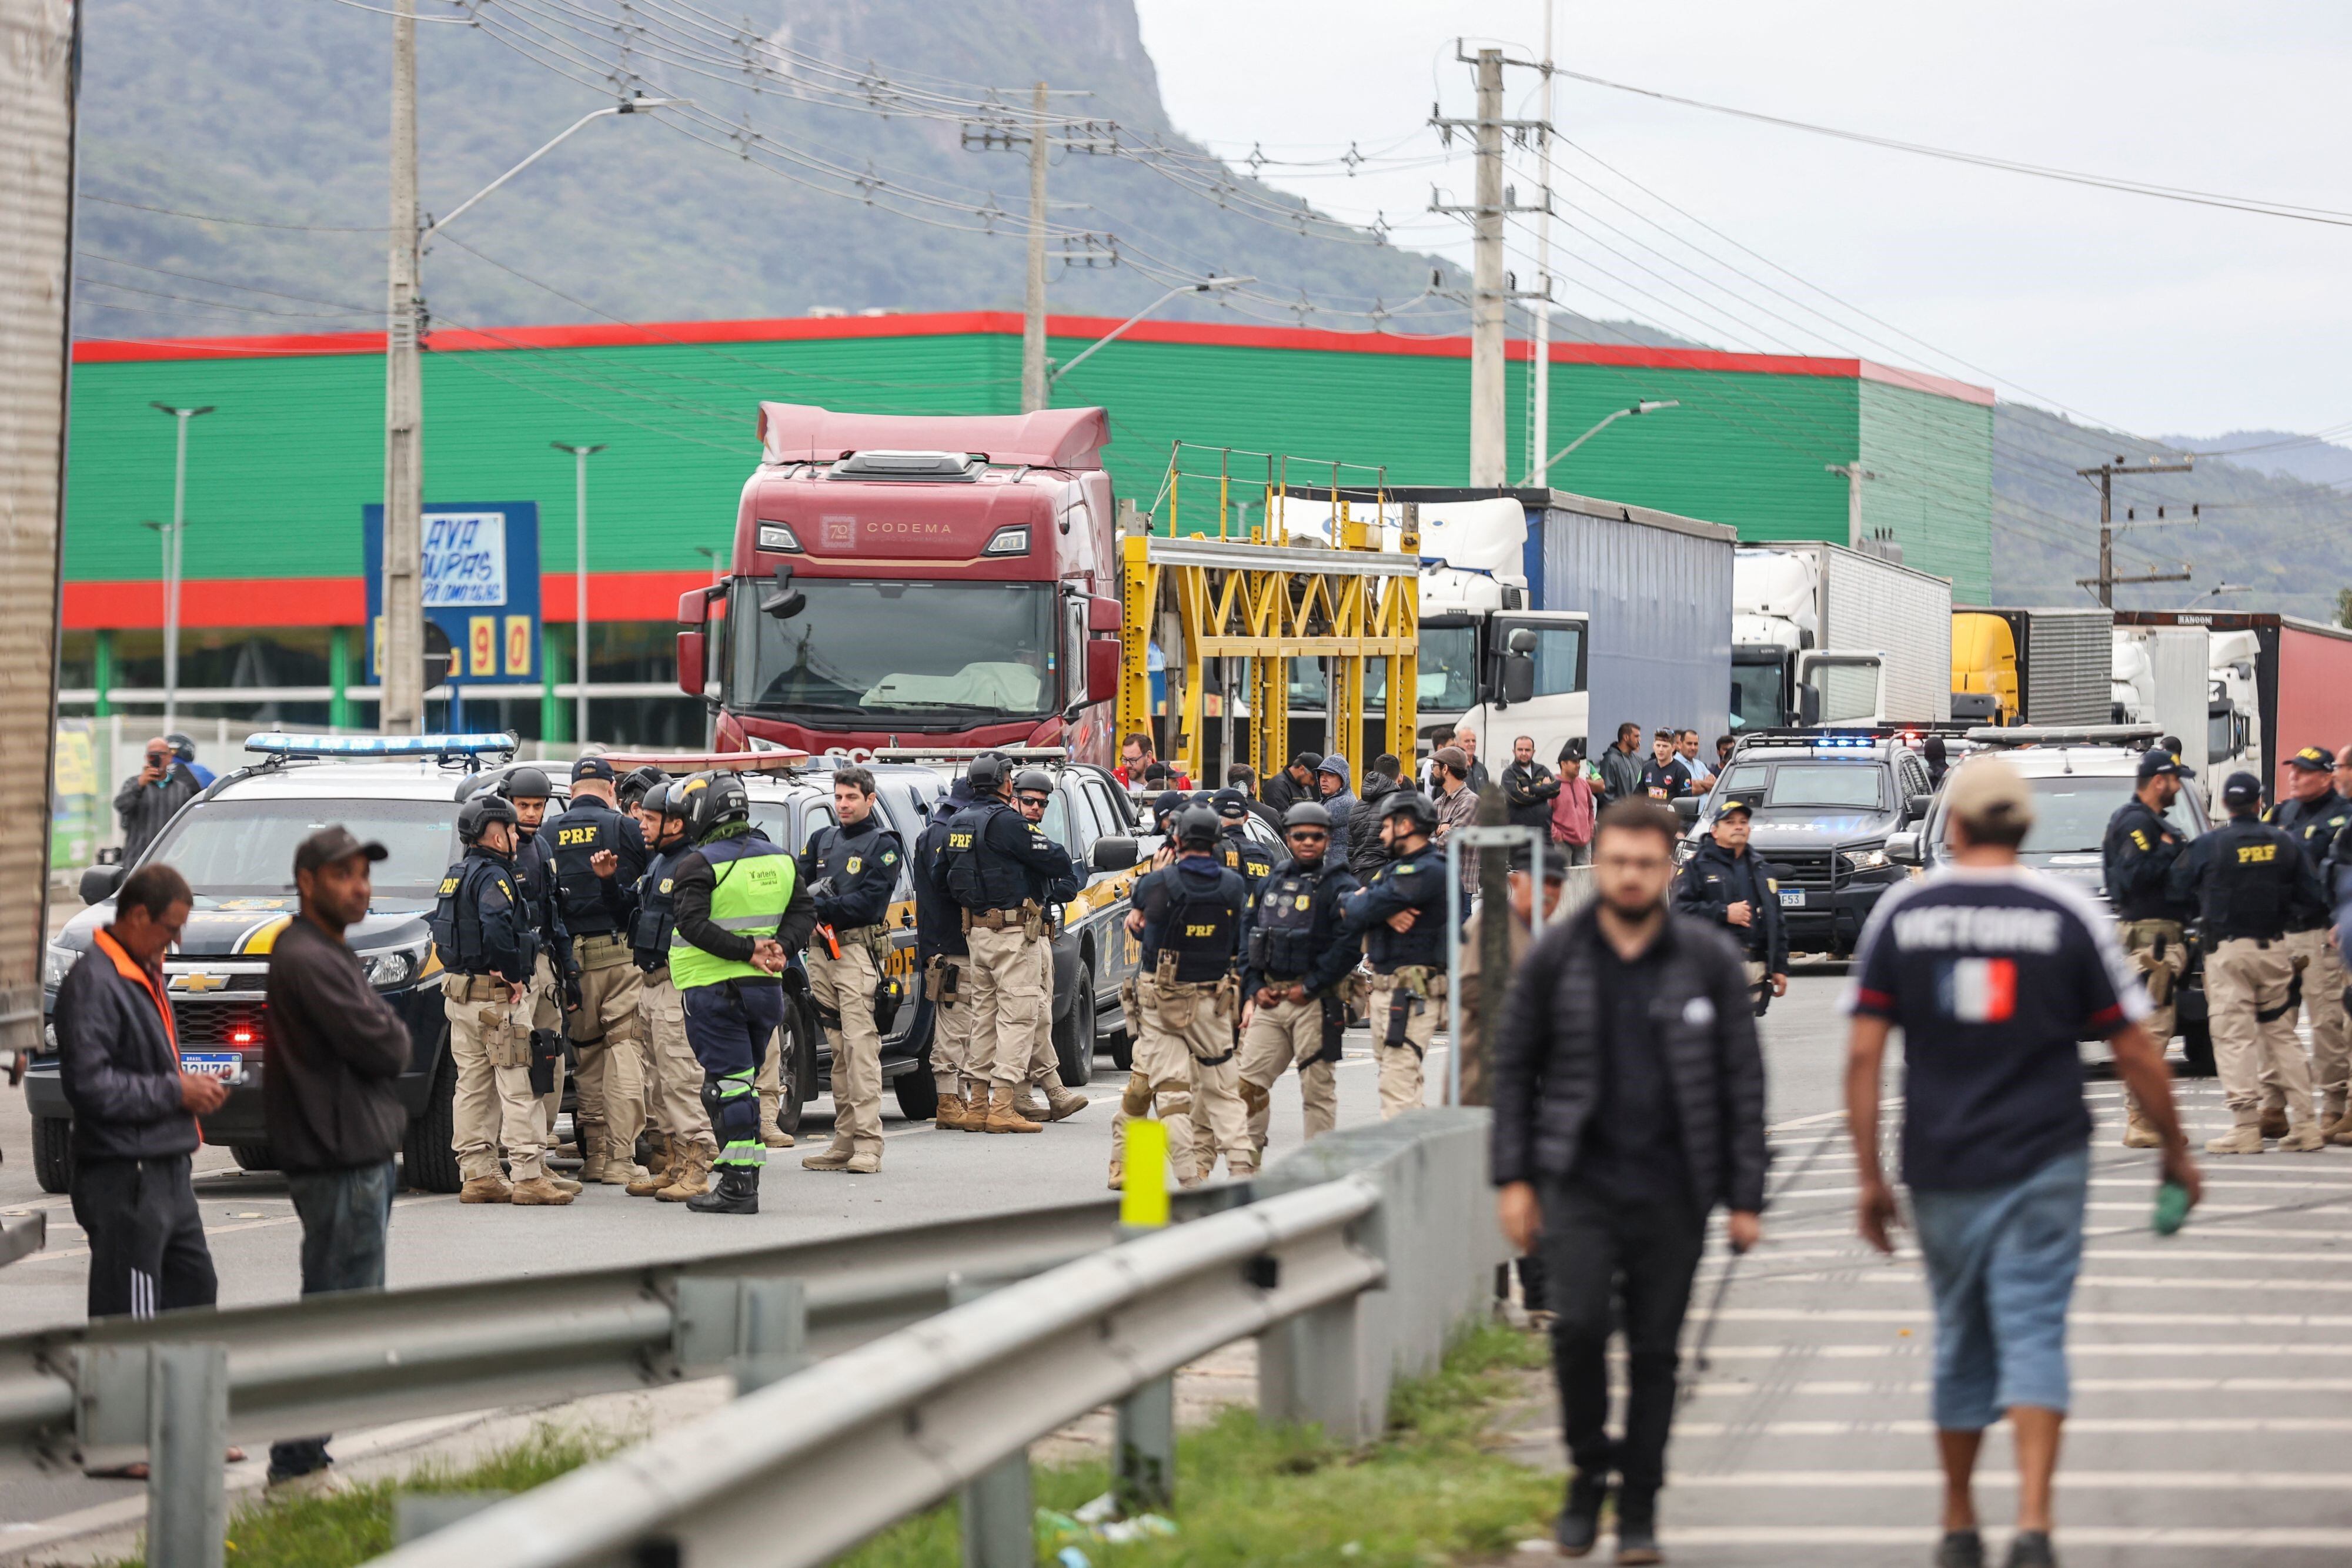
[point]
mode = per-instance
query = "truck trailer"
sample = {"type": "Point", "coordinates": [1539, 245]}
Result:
{"type": "Point", "coordinates": [1821, 635]}
{"type": "Point", "coordinates": [898, 580]}
{"type": "Point", "coordinates": [2274, 685]}
{"type": "Point", "coordinates": [2049, 666]}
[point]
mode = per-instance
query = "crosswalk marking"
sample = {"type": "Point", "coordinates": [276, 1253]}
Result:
{"type": "Point", "coordinates": [1847, 1387]}
{"type": "Point", "coordinates": [2001, 1479]}
{"type": "Point", "coordinates": [2108, 1426]}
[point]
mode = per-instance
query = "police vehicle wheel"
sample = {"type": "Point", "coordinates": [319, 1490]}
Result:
{"type": "Point", "coordinates": [2197, 1048]}
{"type": "Point", "coordinates": [253, 1156]}
{"type": "Point", "coordinates": [53, 1153]}
{"type": "Point", "coordinates": [799, 1076]}
{"type": "Point", "coordinates": [1122, 1050]}
{"type": "Point", "coordinates": [427, 1162]}
{"type": "Point", "coordinates": [1074, 1034]}
{"type": "Point", "coordinates": [917, 1092]}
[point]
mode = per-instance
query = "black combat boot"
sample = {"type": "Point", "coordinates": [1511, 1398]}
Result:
{"type": "Point", "coordinates": [737, 1191]}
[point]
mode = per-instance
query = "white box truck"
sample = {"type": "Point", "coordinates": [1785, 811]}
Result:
{"type": "Point", "coordinates": [1821, 635]}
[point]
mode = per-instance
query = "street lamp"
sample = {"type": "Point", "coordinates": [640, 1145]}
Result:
{"type": "Point", "coordinates": [172, 557]}
{"type": "Point", "coordinates": [1647, 405]}
{"type": "Point", "coordinates": [718, 559]}
{"type": "Point", "coordinates": [580, 456]}
{"type": "Point", "coordinates": [1206, 286]}
{"type": "Point", "coordinates": [2218, 588]}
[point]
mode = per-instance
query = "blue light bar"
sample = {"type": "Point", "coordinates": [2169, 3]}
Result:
{"type": "Point", "coordinates": [275, 743]}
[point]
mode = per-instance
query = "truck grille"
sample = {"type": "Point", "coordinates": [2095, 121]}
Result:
{"type": "Point", "coordinates": [206, 1024]}
{"type": "Point", "coordinates": [1807, 867]}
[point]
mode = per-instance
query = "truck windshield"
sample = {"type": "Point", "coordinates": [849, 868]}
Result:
{"type": "Point", "coordinates": [244, 849]}
{"type": "Point", "coordinates": [1758, 701]}
{"type": "Point", "coordinates": [1448, 666]}
{"type": "Point", "coordinates": [912, 650]}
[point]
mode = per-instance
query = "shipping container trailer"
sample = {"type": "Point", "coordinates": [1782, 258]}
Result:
{"type": "Point", "coordinates": [1869, 637]}
{"type": "Point", "coordinates": [2300, 689]}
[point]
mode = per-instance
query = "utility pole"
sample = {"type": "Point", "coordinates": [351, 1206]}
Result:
{"type": "Point", "coordinates": [580, 456]}
{"type": "Point", "coordinates": [1539, 361]}
{"type": "Point", "coordinates": [1033, 306]}
{"type": "Point", "coordinates": [1854, 475]}
{"type": "Point", "coordinates": [2106, 582]}
{"type": "Point", "coordinates": [401, 674]}
{"type": "Point", "coordinates": [1490, 286]}
{"type": "Point", "coordinates": [175, 557]}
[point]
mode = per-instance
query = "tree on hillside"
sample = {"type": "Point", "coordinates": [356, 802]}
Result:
{"type": "Point", "coordinates": [2344, 607]}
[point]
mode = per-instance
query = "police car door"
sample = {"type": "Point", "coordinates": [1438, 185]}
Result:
{"type": "Point", "coordinates": [1106, 894]}
{"type": "Point", "coordinates": [899, 803]}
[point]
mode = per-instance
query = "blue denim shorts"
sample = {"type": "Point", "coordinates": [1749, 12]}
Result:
{"type": "Point", "coordinates": [2001, 1262]}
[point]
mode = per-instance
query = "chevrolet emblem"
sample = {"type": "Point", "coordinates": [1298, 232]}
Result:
{"type": "Point", "coordinates": [199, 982]}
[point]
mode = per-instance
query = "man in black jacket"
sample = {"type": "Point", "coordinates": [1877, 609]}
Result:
{"type": "Point", "coordinates": [1529, 789]}
{"type": "Point", "coordinates": [1629, 1102]}
{"type": "Point", "coordinates": [1365, 852]}
{"type": "Point", "coordinates": [1725, 885]}
{"type": "Point", "coordinates": [134, 1112]}
{"type": "Point", "coordinates": [151, 797]}
{"type": "Point", "coordinates": [333, 1047]}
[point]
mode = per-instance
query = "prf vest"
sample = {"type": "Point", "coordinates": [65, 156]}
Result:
{"type": "Point", "coordinates": [754, 887]}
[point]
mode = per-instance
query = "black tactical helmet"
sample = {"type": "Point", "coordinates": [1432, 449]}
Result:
{"type": "Point", "coordinates": [664, 799]}
{"type": "Point", "coordinates": [1307, 814]}
{"type": "Point", "coordinates": [1034, 778]}
{"type": "Point", "coordinates": [715, 800]}
{"type": "Point", "coordinates": [636, 783]}
{"type": "Point", "coordinates": [1197, 827]}
{"type": "Point", "coordinates": [479, 811]}
{"type": "Point", "coordinates": [526, 784]}
{"type": "Point", "coordinates": [988, 773]}
{"type": "Point", "coordinates": [1413, 804]}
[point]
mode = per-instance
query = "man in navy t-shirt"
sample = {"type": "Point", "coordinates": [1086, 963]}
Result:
{"type": "Point", "coordinates": [1994, 973]}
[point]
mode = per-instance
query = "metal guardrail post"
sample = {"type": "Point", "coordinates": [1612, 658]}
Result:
{"type": "Point", "coordinates": [187, 1433]}
{"type": "Point", "coordinates": [770, 1332]}
{"type": "Point", "coordinates": [1144, 1477]}
{"type": "Point", "coordinates": [998, 1510]}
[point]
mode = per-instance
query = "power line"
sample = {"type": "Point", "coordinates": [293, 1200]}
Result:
{"type": "Point", "coordinates": [240, 223]}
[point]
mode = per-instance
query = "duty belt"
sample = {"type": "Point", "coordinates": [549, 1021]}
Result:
{"type": "Point", "coordinates": [471, 988]}
{"type": "Point", "coordinates": [861, 934]}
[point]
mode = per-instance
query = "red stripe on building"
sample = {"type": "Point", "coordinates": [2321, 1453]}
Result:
{"type": "Point", "coordinates": [242, 602]}
{"type": "Point", "coordinates": [1005, 323]}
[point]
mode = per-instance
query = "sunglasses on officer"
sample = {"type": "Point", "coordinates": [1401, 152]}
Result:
{"type": "Point", "coordinates": [1307, 836]}
{"type": "Point", "coordinates": [1031, 802]}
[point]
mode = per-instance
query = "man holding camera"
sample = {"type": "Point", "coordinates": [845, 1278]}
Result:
{"type": "Point", "coordinates": [152, 797]}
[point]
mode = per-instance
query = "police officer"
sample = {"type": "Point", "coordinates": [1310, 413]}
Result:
{"type": "Point", "coordinates": [2250, 877]}
{"type": "Point", "coordinates": [1241, 853]}
{"type": "Point", "coordinates": [2137, 857]}
{"type": "Point", "coordinates": [1189, 918]}
{"type": "Point", "coordinates": [529, 790]}
{"type": "Point", "coordinates": [674, 1080]}
{"type": "Point", "coordinates": [740, 910]}
{"type": "Point", "coordinates": [1033, 792]}
{"type": "Point", "coordinates": [940, 948]}
{"type": "Point", "coordinates": [851, 872]}
{"type": "Point", "coordinates": [484, 936]}
{"type": "Point", "coordinates": [1723, 883]}
{"type": "Point", "coordinates": [990, 855]}
{"type": "Point", "coordinates": [2315, 813]}
{"type": "Point", "coordinates": [1297, 956]}
{"type": "Point", "coordinates": [631, 791]}
{"type": "Point", "coordinates": [599, 858]}
{"type": "Point", "coordinates": [1401, 915]}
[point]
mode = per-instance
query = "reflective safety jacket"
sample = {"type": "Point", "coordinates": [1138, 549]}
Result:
{"type": "Point", "coordinates": [750, 888]}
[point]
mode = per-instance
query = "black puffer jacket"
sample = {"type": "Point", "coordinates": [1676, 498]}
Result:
{"type": "Point", "coordinates": [1365, 855]}
{"type": "Point", "coordinates": [115, 1062]}
{"type": "Point", "coordinates": [1547, 1063]}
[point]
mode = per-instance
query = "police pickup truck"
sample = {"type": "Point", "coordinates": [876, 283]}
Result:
{"type": "Point", "coordinates": [235, 844]}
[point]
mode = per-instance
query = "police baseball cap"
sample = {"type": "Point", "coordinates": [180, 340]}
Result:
{"type": "Point", "coordinates": [2242, 790]}
{"type": "Point", "coordinates": [331, 843]}
{"type": "Point", "coordinates": [2159, 763]}
{"type": "Point", "coordinates": [1736, 803]}
{"type": "Point", "coordinates": [2317, 758]}
{"type": "Point", "coordinates": [592, 768]}
{"type": "Point", "coordinates": [1231, 804]}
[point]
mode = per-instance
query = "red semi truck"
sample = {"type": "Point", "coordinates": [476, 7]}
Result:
{"type": "Point", "coordinates": [915, 582]}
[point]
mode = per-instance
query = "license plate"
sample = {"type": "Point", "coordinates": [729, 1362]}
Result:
{"type": "Point", "coordinates": [1792, 898]}
{"type": "Point", "coordinates": [212, 1063]}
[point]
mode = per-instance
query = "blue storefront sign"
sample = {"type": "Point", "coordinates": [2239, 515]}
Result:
{"type": "Point", "coordinates": [481, 586]}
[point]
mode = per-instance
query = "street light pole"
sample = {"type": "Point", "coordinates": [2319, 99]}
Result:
{"type": "Point", "coordinates": [1212, 284]}
{"type": "Point", "coordinates": [173, 557]}
{"type": "Point", "coordinates": [580, 456]}
{"type": "Point", "coordinates": [1647, 405]}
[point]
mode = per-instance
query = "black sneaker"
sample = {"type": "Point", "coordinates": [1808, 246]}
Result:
{"type": "Point", "coordinates": [1580, 1523]}
{"type": "Point", "coordinates": [2030, 1548]}
{"type": "Point", "coordinates": [1961, 1549]}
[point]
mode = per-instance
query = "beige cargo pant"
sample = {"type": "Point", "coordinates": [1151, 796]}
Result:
{"type": "Point", "coordinates": [2323, 997]}
{"type": "Point", "coordinates": [673, 1084]}
{"type": "Point", "coordinates": [1007, 1001]}
{"type": "Point", "coordinates": [489, 1045]}
{"type": "Point", "coordinates": [1043, 1067]}
{"type": "Point", "coordinates": [1400, 1066]}
{"type": "Point", "coordinates": [1277, 1038]}
{"type": "Point", "coordinates": [608, 1105]}
{"type": "Point", "coordinates": [950, 1022]}
{"type": "Point", "coordinates": [1184, 1073]}
{"type": "Point", "coordinates": [845, 986]}
{"type": "Point", "coordinates": [2243, 977]}
{"type": "Point", "coordinates": [2158, 950]}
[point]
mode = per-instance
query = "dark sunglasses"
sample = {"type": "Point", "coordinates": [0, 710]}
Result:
{"type": "Point", "coordinates": [1315, 835]}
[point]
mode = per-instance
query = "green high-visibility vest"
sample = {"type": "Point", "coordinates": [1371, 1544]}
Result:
{"type": "Point", "coordinates": [754, 889]}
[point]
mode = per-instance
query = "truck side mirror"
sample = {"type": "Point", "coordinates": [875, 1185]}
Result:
{"type": "Point", "coordinates": [1808, 706]}
{"type": "Point", "coordinates": [691, 672]}
{"type": "Point", "coordinates": [1519, 665]}
{"type": "Point", "coordinates": [1114, 855]}
{"type": "Point", "coordinates": [1104, 613]}
{"type": "Point", "coordinates": [1903, 849]}
{"type": "Point", "coordinates": [1102, 669]}
{"type": "Point", "coordinates": [1686, 807]}
{"type": "Point", "coordinates": [1916, 808]}
{"type": "Point", "coordinates": [782, 601]}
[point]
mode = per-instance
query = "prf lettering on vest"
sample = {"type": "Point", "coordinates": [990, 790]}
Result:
{"type": "Point", "coordinates": [1200, 930]}
{"type": "Point", "coordinates": [2256, 854]}
{"type": "Point", "coordinates": [567, 836]}
{"type": "Point", "coordinates": [958, 840]}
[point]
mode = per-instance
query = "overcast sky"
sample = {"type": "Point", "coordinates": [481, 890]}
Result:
{"type": "Point", "coordinates": [2154, 316]}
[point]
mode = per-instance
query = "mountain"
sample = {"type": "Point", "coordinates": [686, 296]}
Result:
{"type": "Point", "coordinates": [2279, 453]}
{"type": "Point", "coordinates": [839, 177]}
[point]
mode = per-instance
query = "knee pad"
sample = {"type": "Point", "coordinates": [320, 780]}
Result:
{"type": "Point", "coordinates": [714, 1097]}
{"type": "Point", "coordinates": [1255, 1097]}
{"type": "Point", "coordinates": [1135, 1098]}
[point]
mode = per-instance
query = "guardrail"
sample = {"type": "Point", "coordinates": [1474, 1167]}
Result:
{"type": "Point", "coordinates": [1362, 1256]}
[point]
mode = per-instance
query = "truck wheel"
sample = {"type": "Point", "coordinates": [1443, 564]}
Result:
{"type": "Point", "coordinates": [917, 1092]}
{"type": "Point", "coordinates": [1074, 1036]}
{"type": "Point", "coordinates": [253, 1156]}
{"type": "Point", "coordinates": [798, 1076]}
{"type": "Point", "coordinates": [2197, 1048]}
{"type": "Point", "coordinates": [53, 1153]}
{"type": "Point", "coordinates": [429, 1162]}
